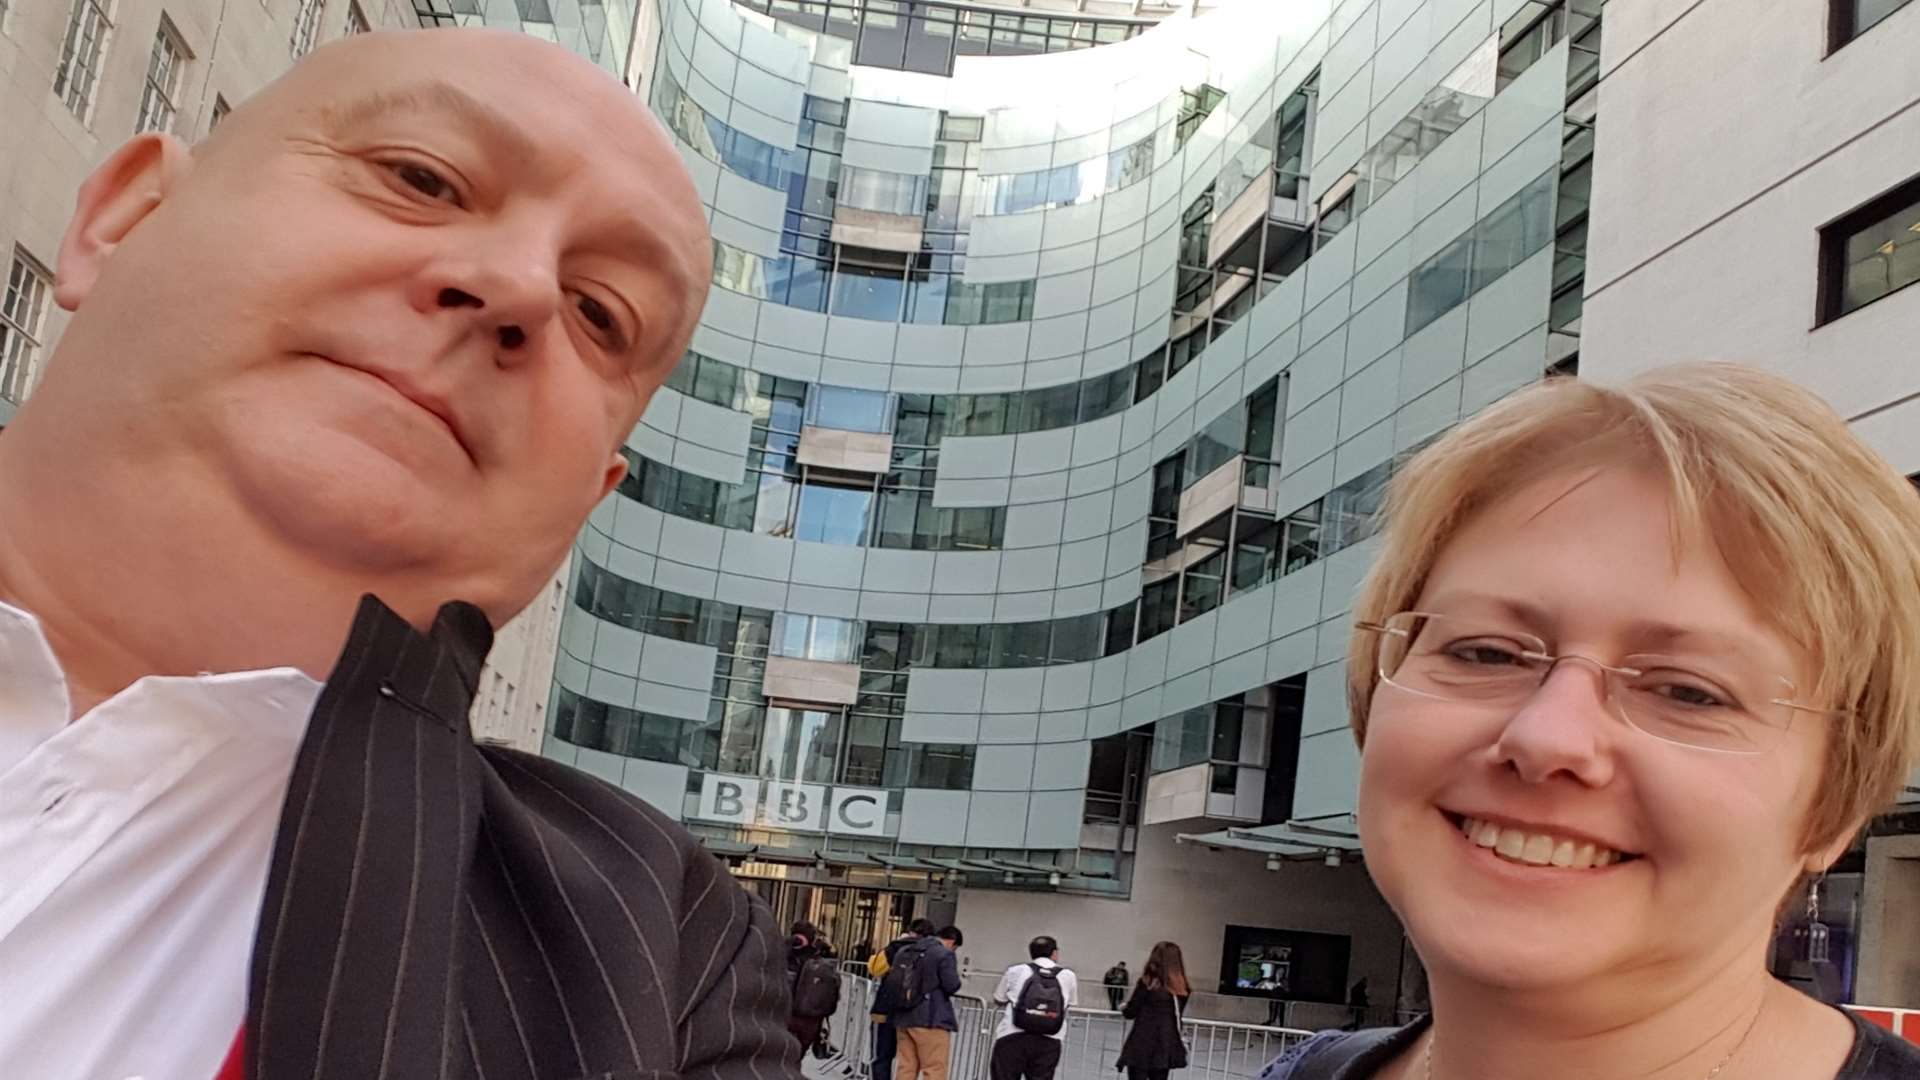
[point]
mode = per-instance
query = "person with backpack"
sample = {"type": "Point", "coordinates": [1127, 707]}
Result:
{"type": "Point", "coordinates": [885, 1036]}
{"type": "Point", "coordinates": [918, 988]}
{"type": "Point", "coordinates": [815, 981]}
{"type": "Point", "coordinates": [1154, 1045]}
{"type": "Point", "coordinates": [1036, 996]}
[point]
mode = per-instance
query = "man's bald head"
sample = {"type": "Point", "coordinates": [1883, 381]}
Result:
{"type": "Point", "coordinates": [396, 317]}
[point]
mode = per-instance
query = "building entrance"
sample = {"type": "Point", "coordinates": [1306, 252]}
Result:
{"type": "Point", "coordinates": [859, 922]}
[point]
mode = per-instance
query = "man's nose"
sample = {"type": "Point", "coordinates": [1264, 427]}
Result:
{"type": "Point", "coordinates": [1566, 728]}
{"type": "Point", "coordinates": [512, 299]}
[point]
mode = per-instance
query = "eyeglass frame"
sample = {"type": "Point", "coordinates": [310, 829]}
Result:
{"type": "Point", "coordinates": [1607, 674]}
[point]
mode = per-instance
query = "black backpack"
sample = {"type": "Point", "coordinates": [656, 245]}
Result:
{"type": "Point", "coordinates": [905, 983]}
{"type": "Point", "coordinates": [816, 989]}
{"type": "Point", "coordinates": [1042, 1005]}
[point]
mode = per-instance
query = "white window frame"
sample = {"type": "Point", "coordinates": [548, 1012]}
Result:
{"type": "Point", "coordinates": [218, 113]}
{"type": "Point", "coordinates": [306, 27]}
{"type": "Point", "coordinates": [83, 52]}
{"type": "Point", "coordinates": [159, 99]}
{"type": "Point", "coordinates": [23, 309]}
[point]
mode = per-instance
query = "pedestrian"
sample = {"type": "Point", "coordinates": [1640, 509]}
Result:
{"type": "Point", "coordinates": [1116, 982]}
{"type": "Point", "coordinates": [342, 383]}
{"type": "Point", "coordinates": [815, 982]}
{"type": "Point", "coordinates": [1154, 1044]}
{"type": "Point", "coordinates": [1032, 1026]}
{"type": "Point", "coordinates": [925, 976]}
{"type": "Point", "coordinates": [885, 1035]}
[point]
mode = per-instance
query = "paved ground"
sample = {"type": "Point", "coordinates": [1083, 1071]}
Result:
{"type": "Point", "coordinates": [1093, 1046]}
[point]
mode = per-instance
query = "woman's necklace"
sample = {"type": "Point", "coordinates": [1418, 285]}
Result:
{"type": "Point", "coordinates": [1717, 1069]}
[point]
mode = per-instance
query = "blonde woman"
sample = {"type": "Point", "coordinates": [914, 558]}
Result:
{"type": "Point", "coordinates": [1632, 668]}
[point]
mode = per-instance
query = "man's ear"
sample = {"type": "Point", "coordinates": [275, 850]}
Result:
{"type": "Point", "coordinates": [616, 472]}
{"type": "Point", "coordinates": [118, 196]}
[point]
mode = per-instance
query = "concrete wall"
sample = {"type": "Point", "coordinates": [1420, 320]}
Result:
{"type": "Point", "coordinates": [45, 151]}
{"type": "Point", "coordinates": [1188, 894]}
{"type": "Point", "coordinates": [1702, 254]}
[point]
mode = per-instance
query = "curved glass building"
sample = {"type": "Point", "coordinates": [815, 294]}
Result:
{"type": "Point", "coordinates": [990, 550]}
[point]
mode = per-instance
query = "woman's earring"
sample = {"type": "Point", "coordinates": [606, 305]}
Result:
{"type": "Point", "coordinates": [1816, 951]}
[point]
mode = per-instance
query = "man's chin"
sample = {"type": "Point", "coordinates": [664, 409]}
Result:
{"type": "Point", "coordinates": [351, 507]}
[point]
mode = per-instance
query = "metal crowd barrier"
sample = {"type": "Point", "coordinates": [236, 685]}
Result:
{"type": "Point", "coordinates": [1216, 1050]}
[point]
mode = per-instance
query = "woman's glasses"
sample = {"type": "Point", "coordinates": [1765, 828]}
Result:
{"type": "Point", "coordinates": [1699, 702]}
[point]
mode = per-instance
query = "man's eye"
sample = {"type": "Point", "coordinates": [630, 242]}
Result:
{"type": "Point", "coordinates": [601, 319]}
{"type": "Point", "coordinates": [426, 182]}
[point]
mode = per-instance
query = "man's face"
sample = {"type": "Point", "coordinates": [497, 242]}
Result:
{"type": "Point", "coordinates": [405, 307]}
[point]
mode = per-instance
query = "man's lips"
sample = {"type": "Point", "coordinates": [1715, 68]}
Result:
{"type": "Point", "coordinates": [432, 404]}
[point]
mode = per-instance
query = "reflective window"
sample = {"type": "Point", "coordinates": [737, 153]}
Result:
{"type": "Point", "coordinates": [23, 306]}
{"type": "Point", "coordinates": [1851, 18]}
{"type": "Point", "coordinates": [1182, 739]}
{"type": "Point", "coordinates": [1871, 252]}
{"type": "Point", "coordinates": [833, 515]}
{"type": "Point", "coordinates": [1506, 237]}
{"type": "Point", "coordinates": [846, 409]}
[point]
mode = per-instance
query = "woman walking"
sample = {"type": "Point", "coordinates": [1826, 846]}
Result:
{"type": "Point", "coordinates": [1154, 1046]}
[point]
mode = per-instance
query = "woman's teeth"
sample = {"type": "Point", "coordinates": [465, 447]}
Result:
{"type": "Point", "coordinates": [1537, 849]}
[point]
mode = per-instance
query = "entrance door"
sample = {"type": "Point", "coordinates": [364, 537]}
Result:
{"type": "Point", "coordinates": [857, 921]}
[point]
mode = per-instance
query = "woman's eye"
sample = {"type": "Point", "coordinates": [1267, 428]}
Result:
{"type": "Point", "coordinates": [426, 182]}
{"type": "Point", "coordinates": [1484, 654]}
{"type": "Point", "coordinates": [1687, 694]}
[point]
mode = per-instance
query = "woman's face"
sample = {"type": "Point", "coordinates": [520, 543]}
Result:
{"type": "Point", "coordinates": [1709, 841]}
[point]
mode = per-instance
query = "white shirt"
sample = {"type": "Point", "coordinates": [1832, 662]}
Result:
{"type": "Point", "coordinates": [1009, 994]}
{"type": "Point", "coordinates": [134, 847]}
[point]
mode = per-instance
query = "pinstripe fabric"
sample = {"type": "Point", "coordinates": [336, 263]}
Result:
{"type": "Point", "coordinates": [441, 910]}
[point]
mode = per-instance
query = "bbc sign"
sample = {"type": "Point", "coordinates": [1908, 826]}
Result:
{"type": "Point", "coordinates": [743, 800]}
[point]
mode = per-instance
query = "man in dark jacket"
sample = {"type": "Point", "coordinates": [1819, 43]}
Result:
{"type": "Point", "coordinates": [383, 334]}
{"type": "Point", "coordinates": [803, 946]}
{"type": "Point", "coordinates": [926, 1023]}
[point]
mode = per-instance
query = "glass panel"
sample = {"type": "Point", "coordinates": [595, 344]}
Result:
{"type": "Point", "coordinates": [865, 292]}
{"type": "Point", "coordinates": [1881, 257]}
{"type": "Point", "coordinates": [833, 515]}
{"type": "Point", "coordinates": [1182, 740]}
{"type": "Point", "coordinates": [1157, 607]}
{"type": "Point", "coordinates": [1440, 284]}
{"type": "Point", "coordinates": [1302, 537]}
{"type": "Point", "coordinates": [1868, 13]}
{"type": "Point", "coordinates": [1119, 637]}
{"type": "Point", "coordinates": [1263, 419]}
{"type": "Point", "coordinates": [1253, 554]}
{"type": "Point", "coordinates": [1204, 586]}
{"type": "Point", "coordinates": [939, 766]}
{"type": "Point", "coordinates": [1076, 638]}
{"type": "Point", "coordinates": [1215, 445]}
{"type": "Point", "coordinates": [846, 409]}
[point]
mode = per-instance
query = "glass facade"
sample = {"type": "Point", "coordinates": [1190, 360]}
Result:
{"type": "Point", "coordinates": [1133, 457]}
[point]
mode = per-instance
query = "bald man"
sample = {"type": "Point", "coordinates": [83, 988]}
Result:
{"type": "Point", "coordinates": [353, 371]}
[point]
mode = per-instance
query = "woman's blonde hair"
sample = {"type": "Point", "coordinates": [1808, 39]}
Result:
{"type": "Point", "coordinates": [1821, 532]}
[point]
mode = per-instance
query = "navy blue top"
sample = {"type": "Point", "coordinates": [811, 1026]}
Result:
{"type": "Point", "coordinates": [942, 975]}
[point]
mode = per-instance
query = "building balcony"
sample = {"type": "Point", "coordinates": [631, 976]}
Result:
{"type": "Point", "coordinates": [814, 682]}
{"type": "Point", "coordinates": [1240, 483]}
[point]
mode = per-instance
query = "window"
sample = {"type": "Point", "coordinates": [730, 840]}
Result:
{"type": "Point", "coordinates": [357, 20]}
{"type": "Point", "coordinates": [81, 54]}
{"type": "Point", "coordinates": [306, 27]}
{"type": "Point", "coordinates": [1870, 252]}
{"type": "Point", "coordinates": [21, 308]}
{"type": "Point", "coordinates": [159, 101]}
{"type": "Point", "coordinates": [220, 111]}
{"type": "Point", "coordinates": [845, 409]}
{"type": "Point", "coordinates": [1848, 19]}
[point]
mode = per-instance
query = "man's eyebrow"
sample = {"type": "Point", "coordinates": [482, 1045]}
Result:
{"type": "Point", "coordinates": [434, 97]}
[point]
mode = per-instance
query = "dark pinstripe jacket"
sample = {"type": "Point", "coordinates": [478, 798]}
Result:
{"type": "Point", "coordinates": [437, 909]}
